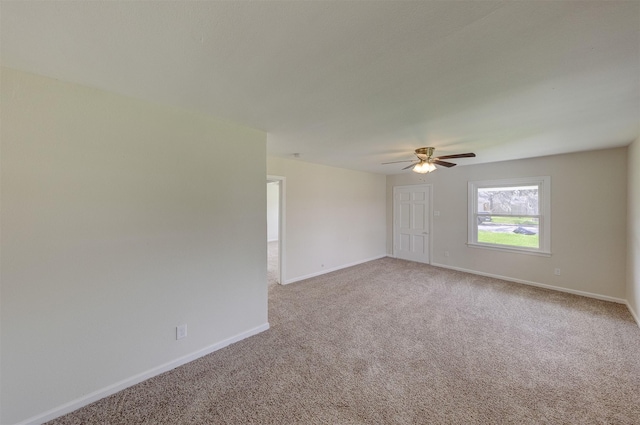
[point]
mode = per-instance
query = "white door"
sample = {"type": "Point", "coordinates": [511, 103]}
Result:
{"type": "Point", "coordinates": [411, 213]}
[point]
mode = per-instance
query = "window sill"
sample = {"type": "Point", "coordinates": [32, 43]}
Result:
{"type": "Point", "coordinates": [510, 249]}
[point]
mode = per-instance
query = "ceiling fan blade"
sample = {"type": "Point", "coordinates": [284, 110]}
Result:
{"type": "Point", "coordinates": [412, 165]}
{"type": "Point", "coordinates": [395, 162]}
{"type": "Point", "coordinates": [444, 163]}
{"type": "Point", "coordinates": [459, 155]}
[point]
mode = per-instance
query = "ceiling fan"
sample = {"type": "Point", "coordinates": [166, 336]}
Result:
{"type": "Point", "coordinates": [426, 162]}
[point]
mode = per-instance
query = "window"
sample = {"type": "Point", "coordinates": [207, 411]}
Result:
{"type": "Point", "coordinates": [512, 215]}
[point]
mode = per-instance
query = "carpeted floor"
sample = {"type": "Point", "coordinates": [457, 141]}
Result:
{"type": "Point", "coordinates": [272, 263]}
{"type": "Point", "coordinates": [395, 342]}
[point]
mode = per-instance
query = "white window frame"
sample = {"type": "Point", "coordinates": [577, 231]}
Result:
{"type": "Point", "coordinates": [544, 211]}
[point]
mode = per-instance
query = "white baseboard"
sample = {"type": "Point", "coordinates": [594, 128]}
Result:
{"type": "Point", "coordinates": [633, 313]}
{"type": "Point", "coordinates": [540, 285]}
{"type": "Point", "coordinates": [333, 269]}
{"type": "Point", "coordinates": [128, 382]}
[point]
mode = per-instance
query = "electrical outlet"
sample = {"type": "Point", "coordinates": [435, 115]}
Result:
{"type": "Point", "coordinates": [436, 213]}
{"type": "Point", "coordinates": [556, 271]}
{"type": "Point", "coordinates": [446, 253]}
{"type": "Point", "coordinates": [181, 331]}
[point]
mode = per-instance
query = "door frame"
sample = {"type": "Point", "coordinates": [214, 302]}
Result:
{"type": "Point", "coordinates": [281, 224]}
{"type": "Point", "coordinates": [394, 221]}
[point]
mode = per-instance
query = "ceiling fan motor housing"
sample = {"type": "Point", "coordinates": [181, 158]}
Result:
{"type": "Point", "coordinates": [427, 152]}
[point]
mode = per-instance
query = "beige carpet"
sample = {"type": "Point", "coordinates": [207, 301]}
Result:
{"type": "Point", "coordinates": [394, 342]}
{"type": "Point", "coordinates": [272, 263]}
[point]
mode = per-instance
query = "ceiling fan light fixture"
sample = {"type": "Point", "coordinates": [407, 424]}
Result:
{"type": "Point", "coordinates": [426, 161]}
{"type": "Point", "coordinates": [424, 167]}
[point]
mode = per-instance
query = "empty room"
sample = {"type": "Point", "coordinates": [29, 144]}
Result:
{"type": "Point", "coordinates": [319, 212]}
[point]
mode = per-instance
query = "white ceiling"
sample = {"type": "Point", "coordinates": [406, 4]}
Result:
{"type": "Point", "coordinates": [353, 84]}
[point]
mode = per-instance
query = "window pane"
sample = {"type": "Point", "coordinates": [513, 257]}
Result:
{"type": "Point", "coordinates": [511, 231]}
{"type": "Point", "coordinates": [510, 214]}
{"type": "Point", "coordinates": [515, 200]}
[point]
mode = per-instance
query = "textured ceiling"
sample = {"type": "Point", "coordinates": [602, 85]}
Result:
{"type": "Point", "coordinates": [353, 84]}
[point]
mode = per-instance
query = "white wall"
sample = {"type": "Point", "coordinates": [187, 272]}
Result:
{"type": "Point", "coordinates": [588, 221]}
{"type": "Point", "coordinates": [273, 202]}
{"type": "Point", "coordinates": [334, 217]}
{"type": "Point", "coordinates": [633, 232]}
{"type": "Point", "coordinates": [120, 220]}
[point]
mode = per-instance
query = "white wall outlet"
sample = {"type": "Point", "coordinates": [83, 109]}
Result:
{"type": "Point", "coordinates": [446, 253]}
{"type": "Point", "coordinates": [181, 331]}
{"type": "Point", "coordinates": [556, 271]}
{"type": "Point", "coordinates": [436, 213]}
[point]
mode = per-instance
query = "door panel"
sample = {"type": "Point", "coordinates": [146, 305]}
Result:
{"type": "Point", "coordinates": [405, 215]}
{"type": "Point", "coordinates": [412, 211]}
{"type": "Point", "coordinates": [418, 216]}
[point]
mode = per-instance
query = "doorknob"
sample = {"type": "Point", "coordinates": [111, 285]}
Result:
{"type": "Point", "coordinates": [425, 233]}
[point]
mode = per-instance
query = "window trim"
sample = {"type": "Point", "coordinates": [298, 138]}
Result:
{"type": "Point", "coordinates": [544, 214]}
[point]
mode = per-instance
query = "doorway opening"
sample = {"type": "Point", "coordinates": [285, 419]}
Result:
{"type": "Point", "coordinates": [275, 230]}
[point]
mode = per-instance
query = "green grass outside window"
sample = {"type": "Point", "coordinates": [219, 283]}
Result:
{"type": "Point", "coordinates": [512, 239]}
